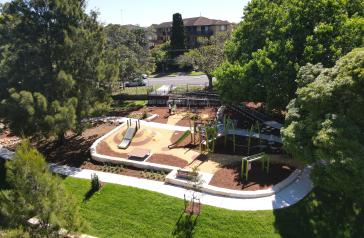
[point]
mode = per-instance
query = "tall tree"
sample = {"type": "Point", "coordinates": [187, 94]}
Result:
{"type": "Point", "coordinates": [131, 45]}
{"type": "Point", "coordinates": [208, 56]}
{"type": "Point", "coordinates": [178, 41]}
{"type": "Point", "coordinates": [35, 192]}
{"type": "Point", "coordinates": [54, 69]}
{"type": "Point", "coordinates": [325, 127]}
{"type": "Point", "coordinates": [276, 38]}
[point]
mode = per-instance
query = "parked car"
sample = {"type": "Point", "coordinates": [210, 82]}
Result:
{"type": "Point", "coordinates": [135, 83]}
{"type": "Point", "coordinates": [144, 76]}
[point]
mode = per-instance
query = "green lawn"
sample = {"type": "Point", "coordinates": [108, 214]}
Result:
{"type": "Point", "coordinates": [187, 88]}
{"type": "Point", "coordinates": [119, 211]}
{"type": "Point", "coordinates": [174, 74]}
{"type": "Point", "coordinates": [136, 90]}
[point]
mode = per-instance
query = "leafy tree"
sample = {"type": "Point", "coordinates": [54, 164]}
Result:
{"type": "Point", "coordinates": [276, 38]}
{"type": "Point", "coordinates": [160, 55]}
{"type": "Point", "coordinates": [178, 41]}
{"type": "Point", "coordinates": [35, 192]}
{"type": "Point", "coordinates": [131, 46]}
{"type": "Point", "coordinates": [207, 57]}
{"type": "Point", "coordinates": [54, 69]}
{"type": "Point", "coordinates": [325, 126]}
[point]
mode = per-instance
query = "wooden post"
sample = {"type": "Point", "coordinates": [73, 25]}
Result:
{"type": "Point", "coordinates": [246, 170]}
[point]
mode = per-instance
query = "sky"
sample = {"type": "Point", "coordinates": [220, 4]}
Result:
{"type": "Point", "coordinates": [147, 12]}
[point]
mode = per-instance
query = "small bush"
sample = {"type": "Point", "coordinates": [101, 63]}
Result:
{"type": "Point", "coordinates": [95, 183]}
{"type": "Point", "coordinates": [144, 115]}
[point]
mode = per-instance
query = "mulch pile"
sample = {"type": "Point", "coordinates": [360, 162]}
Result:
{"type": "Point", "coordinates": [229, 177]}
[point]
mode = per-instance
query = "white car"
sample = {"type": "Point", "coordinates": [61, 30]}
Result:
{"type": "Point", "coordinates": [135, 83]}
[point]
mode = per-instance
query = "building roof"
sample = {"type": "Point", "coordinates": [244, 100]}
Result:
{"type": "Point", "coordinates": [196, 21]}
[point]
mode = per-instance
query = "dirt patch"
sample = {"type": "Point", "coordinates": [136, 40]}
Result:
{"type": "Point", "coordinates": [76, 148]}
{"type": "Point", "coordinates": [168, 160]}
{"type": "Point", "coordinates": [229, 176]}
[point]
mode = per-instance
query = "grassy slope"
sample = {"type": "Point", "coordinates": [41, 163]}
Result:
{"type": "Point", "coordinates": [119, 211]}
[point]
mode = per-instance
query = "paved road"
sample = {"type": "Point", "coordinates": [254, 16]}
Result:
{"type": "Point", "coordinates": [179, 80]}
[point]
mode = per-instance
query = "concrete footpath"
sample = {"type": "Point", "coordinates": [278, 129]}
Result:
{"type": "Point", "coordinates": [284, 198]}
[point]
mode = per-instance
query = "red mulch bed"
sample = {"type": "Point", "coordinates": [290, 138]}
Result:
{"type": "Point", "coordinates": [184, 122]}
{"type": "Point", "coordinates": [104, 149]}
{"type": "Point", "coordinates": [164, 113]}
{"type": "Point", "coordinates": [176, 135]}
{"type": "Point", "coordinates": [168, 160]}
{"type": "Point", "coordinates": [229, 177]}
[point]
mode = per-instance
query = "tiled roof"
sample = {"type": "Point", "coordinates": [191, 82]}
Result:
{"type": "Point", "coordinates": [196, 21]}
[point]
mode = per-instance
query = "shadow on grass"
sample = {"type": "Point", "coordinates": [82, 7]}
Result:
{"type": "Point", "coordinates": [89, 194]}
{"type": "Point", "coordinates": [321, 214]}
{"type": "Point", "coordinates": [185, 226]}
{"type": "Point", "coordinates": [3, 184]}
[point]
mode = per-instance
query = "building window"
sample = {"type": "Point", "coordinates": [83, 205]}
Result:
{"type": "Point", "coordinates": [204, 28]}
{"type": "Point", "coordinates": [223, 27]}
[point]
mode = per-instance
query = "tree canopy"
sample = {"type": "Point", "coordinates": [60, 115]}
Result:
{"type": "Point", "coordinates": [208, 56]}
{"type": "Point", "coordinates": [54, 67]}
{"type": "Point", "coordinates": [275, 38]}
{"type": "Point", "coordinates": [178, 41]}
{"type": "Point", "coordinates": [35, 192]}
{"type": "Point", "coordinates": [325, 124]}
{"type": "Point", "coordinates": [131, 46]}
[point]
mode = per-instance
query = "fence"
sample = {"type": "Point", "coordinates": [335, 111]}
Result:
{"type": "Point", "coordinates": [153, 89]}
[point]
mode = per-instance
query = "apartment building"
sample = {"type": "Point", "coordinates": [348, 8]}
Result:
{"type": "Point", "coordinates": [194, 28]}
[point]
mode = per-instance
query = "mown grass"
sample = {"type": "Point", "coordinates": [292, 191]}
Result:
{"type": "Point", "coordinates": [119, 211]}
{"type": "Point", "coordinates": [187, 88]}
{"type": "Point", "coordinates": [136, 90]}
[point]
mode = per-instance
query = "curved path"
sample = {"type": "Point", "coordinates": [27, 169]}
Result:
{"type": "Point", "coordinates": [284, 198]}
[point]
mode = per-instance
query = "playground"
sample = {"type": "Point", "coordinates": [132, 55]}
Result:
{"type": "Point", "coordinates": [154, 139]}
{"type": "Point", "coordinates": [234, 147]}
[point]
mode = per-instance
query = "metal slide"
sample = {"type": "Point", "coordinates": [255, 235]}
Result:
{"type": "Point", "coordinates": [130, 132]}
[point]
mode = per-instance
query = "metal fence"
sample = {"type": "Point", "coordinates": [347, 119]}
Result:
{"type": "Point", "coordinates": [157, 90]}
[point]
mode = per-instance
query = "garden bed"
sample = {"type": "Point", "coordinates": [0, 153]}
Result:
{"type": "Point", "coordinates": [124, 170]}
{"type": "Point", "coordinates": [230, 176]}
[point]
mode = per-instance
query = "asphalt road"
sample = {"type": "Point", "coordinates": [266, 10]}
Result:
{"type": "Point", "coordinates": [179, 80]}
